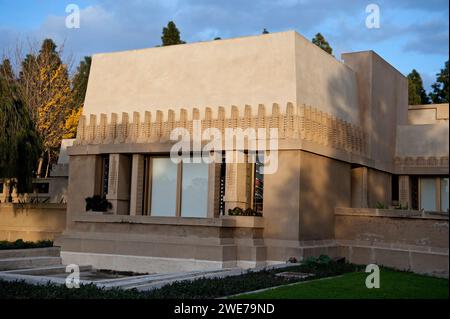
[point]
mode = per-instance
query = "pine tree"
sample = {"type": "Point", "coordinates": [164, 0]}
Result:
{"type": "Point", "coordinates": [440, 87]}
{"type": "Point", "coordinates": [79, 87]}
{"type": "Point", "coordinates": [19, 142]}
{"type": "Point", "coordinates": [416, 92]}
{"type": "Point", "coordinates": [80, 81]}
{"type": "Point", "coordinates": [171, 35]}
{"type": "Point", "coordinates": [320, 41]}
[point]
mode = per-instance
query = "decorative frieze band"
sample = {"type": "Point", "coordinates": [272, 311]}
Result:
{"type": "Point", "coordinates": [298, 122]}
{"type": "Point", "coordinates": [421, 161]}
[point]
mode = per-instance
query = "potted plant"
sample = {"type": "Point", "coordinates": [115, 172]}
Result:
{"type": "Point", "coordinates": [97, 203]}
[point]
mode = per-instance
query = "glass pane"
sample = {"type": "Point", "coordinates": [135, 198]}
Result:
{"type": "Point", "coordinates": [428, 194]}
{"type": "Point", "coordinates": [444, 194]}
{"type": "Point", "coordinates": [194, 196]}
{"type": "Point", "coordinates": [164, 187]}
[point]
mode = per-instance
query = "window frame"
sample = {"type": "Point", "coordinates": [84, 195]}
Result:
{"type": "Point", "coordinates": [148, 184]}
{"type": "Point", "coordinates": [438, 185]}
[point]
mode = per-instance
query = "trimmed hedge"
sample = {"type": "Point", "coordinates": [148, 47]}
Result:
{"type": "Point", "coordinates": [196, 289]}
{"type": "Point", "coordinates": [20, 244]}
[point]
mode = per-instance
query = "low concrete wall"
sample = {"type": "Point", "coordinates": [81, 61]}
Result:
{"type": "Point", "coordinates": [406, 240]}
{"type": "Point", "coordinates": [162, 244]}
{"type": "Point", "coordinates": [31, 222]}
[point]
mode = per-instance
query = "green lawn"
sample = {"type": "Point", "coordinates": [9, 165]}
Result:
{"type": "Point", "coordinates": [393, 285]}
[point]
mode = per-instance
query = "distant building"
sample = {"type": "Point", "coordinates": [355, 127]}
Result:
{"type": "Point", "coordinates": [52, 189]}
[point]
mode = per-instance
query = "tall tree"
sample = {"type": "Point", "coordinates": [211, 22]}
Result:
{"type": "Point", "coordinates": [79, 87]}
{"type": "Point", "coordinates": [320, 41]}
{"type": "Point", "coordinates": [171, 35]}
{"type": "Point", "coordinates": [45, 89]}
{"type": "Point", "coordinates": [416, 92]}
{"type": "Point", "coordinates": [6, 71]}
{"type": "Point", "coordinates": [440, 87]}
{"type": "Point", "coordinates": [80, 81]}
{"type": "Point", "coordinates": [19, 142]}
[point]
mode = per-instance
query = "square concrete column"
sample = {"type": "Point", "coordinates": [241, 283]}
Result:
{"type": "Point", "coordinates": [359, 187]}
{"type": "Point", "coordinates": [404, 192]}
{"type": "Point", "coordinates": [137, 184]}
{"type": "Point", "coordinates": [236, 186]}
{"type": "Point", "coordinates": [84, 177]}
{"type": "Point", "coordinates": [119, 183]}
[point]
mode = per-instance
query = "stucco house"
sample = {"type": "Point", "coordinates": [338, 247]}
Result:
{"type": "Point", "coordinates": [348, 146]}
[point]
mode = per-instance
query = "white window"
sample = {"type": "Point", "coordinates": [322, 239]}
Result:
{"type": "Point", "coordinates": [194, 190]}
{"type": "Point", "coordinates": [164, 187]}
{"type": "Point", "coordinates": [428, 194]}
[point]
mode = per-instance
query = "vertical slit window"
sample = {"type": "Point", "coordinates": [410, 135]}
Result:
{"type": "Point", "coordinates": [223, 170]}
{"type": "Point", "coordinates": [258, 193]}
{"type": "Point", "coordinates": [444, 194]}
{"type": "Point", "coordinates": [105, 175]}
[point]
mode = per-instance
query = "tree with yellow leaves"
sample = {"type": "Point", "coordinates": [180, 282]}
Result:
{"type": "Point", "coordinates": [45, 87]}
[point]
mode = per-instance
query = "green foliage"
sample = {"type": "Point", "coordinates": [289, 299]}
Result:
{"type": "Point", "coordinates": [171, 35]}
{"type": "Point", "coordinates": [97, 203]}
{"type": "Point", "coordinates": [80, 81]}
{"type": "Point", "coordinates": [195, 289]}
{"type": "Point", "coordinates": [416, 92]}
{"type": "Point", "coordinates": [37, 109]}
{"type": "Point", "coordinates": [20, 144]}
{"type": "Point", "coordinates": [320, 41]}
{"type": "Point", "coordinates": [440, 93]}
{"type": "Point", "coordinates": [317, 261]}
{"type": "Point", "coordinates": [237, 211]}
{"type": "Point", "coordinates": [20, 244]}
{"type": "Point", "coordinates": [380, 205]}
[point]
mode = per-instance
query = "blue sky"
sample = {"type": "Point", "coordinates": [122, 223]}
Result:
{"type": "Point", "coordinates": [413, 33]}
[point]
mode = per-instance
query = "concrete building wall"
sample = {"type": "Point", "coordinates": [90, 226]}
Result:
{"type": "Point", "coordinates": [274, 68]}
{"type": "Point", "coordinates": [31, 222]}
{"type": "Point", "coordinates": [325, 82]}
{"type": "Point", "coordinates": [83, 182]}
{"type": "Point", "coordinates": [383, 104]}
{"type": "Point", "coordinates": [282, 198]}
{"type": "Point", "coordinates": [324, 184]}
{"type": "Point", "coordinates": [379, 188]}
{"type": "Point", "coordinates": [423, 140]}
{"type": "Point", "coordinates": [428, 114]}
{"type": "Point", "coordinates": [404, 240]}
{"type": "Point", "coordinates": [247, 70]}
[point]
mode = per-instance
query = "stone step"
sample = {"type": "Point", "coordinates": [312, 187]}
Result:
{"type": "Point", "coordinates": [28, 262]}
{"type": "Point", "coordinates": [45, 270]}
{"type": "Point", "coordinates": [165, 279]}
{"type": "Point", "coordinates": [32, 252]}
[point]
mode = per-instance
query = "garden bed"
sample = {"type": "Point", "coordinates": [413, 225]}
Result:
{"type": "Point", "coordinates": [20, 244]}
{"type": "Point", "coordinates": [198, 288]}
